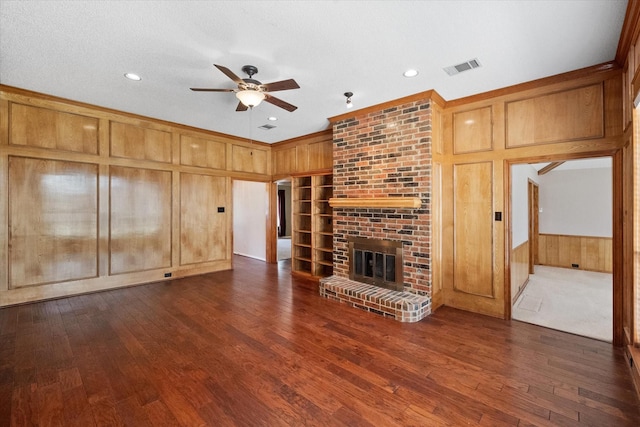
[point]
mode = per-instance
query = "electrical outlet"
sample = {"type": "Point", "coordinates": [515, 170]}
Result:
{"type": "Point", "coordinates": [167, 274]}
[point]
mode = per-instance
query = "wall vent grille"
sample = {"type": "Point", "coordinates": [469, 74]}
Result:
{"type": "Point", "coordinates": [465, 66]}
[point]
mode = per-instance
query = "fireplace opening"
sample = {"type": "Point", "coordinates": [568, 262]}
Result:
{"type": "Point", "coordinates": [376, 262]}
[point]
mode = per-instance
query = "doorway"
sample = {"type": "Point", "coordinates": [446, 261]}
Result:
{"type": "Point", "coordinates": [250, 213]}
{"type": "Point", "coordinates": [561, 246]}
{"type": "Point", "coordinates": [283, 219]}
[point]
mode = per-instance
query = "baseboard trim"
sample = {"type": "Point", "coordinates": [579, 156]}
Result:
{"type": "Point", "coordinates": [520, 291]}
{"type": "Point", "coordinates": [633, 356]}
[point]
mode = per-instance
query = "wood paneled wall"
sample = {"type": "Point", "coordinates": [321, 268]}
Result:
{"type": "Point", "coordinates": [588, 253]}
{"type": "Point", "coordinates": [307, 154]}
{"type": "Point", "coordinates": [628, 56]}
{"type": "Point", "coordinates": [564, 117]}
{"type": "Point", "coordinates": [94, 199]}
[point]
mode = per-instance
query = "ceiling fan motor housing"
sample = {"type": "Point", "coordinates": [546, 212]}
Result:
{"type": "Point", "coordinates": [250, 69]}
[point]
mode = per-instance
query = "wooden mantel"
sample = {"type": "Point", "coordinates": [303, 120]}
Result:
{"type": "Point", "coordinates": [375, 202]}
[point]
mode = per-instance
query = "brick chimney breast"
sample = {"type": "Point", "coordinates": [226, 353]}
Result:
{"type": "Point", "coordinates": [386, 153]}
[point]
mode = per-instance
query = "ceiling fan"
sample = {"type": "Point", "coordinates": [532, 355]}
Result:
{"type": "Point", "coordinates": [251, 92]}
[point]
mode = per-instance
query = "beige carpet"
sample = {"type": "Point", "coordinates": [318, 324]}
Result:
{"type": "Point", "coordinates": [575, 301]}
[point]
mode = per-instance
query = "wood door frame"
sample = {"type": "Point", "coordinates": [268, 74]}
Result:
{"type": "Point", "coordinates": [617, 232]}
{"type": "Point", "coordinates": [272, 227]}
{"type": "Point", "coordinates": [534, 203]}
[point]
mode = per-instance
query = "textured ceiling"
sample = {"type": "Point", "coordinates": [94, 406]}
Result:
{"type": "Point", "coordinates": [80, 50]}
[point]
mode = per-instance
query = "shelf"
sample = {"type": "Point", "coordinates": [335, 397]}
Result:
{"type": "Point", "coordinates": [376, 202]}
{"type": "Point", "coordinates": [312, 246]}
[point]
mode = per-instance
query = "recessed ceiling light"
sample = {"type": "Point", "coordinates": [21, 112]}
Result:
{"type": "Point", "coordinates": [132, 76]}
{"type": "Point", "coordinates": [272, 119]}
{"type": "Point", "coordinates": [410, 73]}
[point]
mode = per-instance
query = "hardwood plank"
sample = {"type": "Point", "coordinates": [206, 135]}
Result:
{"type": "Point", "coordinates": [256, 346]}
{"type": "Point", "coordinates": [159, 414]}
{"type": "Point", "coordinates": [105, 414]}
{"type": "Point", "coordinates": [23, 407]}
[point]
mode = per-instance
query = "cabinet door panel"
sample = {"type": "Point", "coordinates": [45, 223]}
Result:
{"type": "Point", "coordinates": [44, 128]}
{"type": "Point", "coordinates": [203, 152]}
{"type": "Point", "coordinates": [248, 159]}
{"type": "Point", "coordinates": [135, 142]}
{"type": "Point", "coordinates": [564, 116]}
{"type": "Point", "coordinates": [203, 230]}
{"type": "Point", "coordinates": [473, 238]}
{"type": "Point", "coordinates": [53, 221]}
{"type": "Point", "coordinates": [140, 229]}
{"type": "Point", "coordinates": [473, 131]}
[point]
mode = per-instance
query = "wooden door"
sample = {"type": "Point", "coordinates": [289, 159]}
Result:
{"type": "Point", "coordinates": [204, 224]}
{"type": "Point", "coordinates": [476, 283]}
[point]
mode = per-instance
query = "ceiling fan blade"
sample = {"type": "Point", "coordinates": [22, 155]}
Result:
{"type": "Point", "coordinates": [229, 74]}
{"type": "Point", "coordinates": [281, 85]}
{"type": "Point", "coordinates": [200, 89]}
{"type": "Point", "coordinates": [279, 102]}
{"type": "Point", "coordinates": [241, 107]}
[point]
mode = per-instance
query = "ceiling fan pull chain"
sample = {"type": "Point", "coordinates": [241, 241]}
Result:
{"type": "Point", "coordinates": [251, 129]}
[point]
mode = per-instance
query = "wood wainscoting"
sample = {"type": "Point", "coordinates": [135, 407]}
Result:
{"type": "Point", "coordinates": [588, 253]}
{"type": "Point", "coordinates": [519, 269]}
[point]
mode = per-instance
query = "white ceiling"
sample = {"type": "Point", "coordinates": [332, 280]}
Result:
{"type": "Point", "coordinates": [80, 50]}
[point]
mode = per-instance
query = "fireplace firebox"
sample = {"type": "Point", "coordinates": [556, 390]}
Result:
{"type": "Point", "coordinates": [376, 262]}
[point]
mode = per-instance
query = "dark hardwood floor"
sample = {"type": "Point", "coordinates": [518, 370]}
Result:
{"type": "Point", "coordinates": [254, 347]}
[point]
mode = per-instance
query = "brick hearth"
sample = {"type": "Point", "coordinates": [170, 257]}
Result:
{"type": "Point", "coordinates": [401, 306]}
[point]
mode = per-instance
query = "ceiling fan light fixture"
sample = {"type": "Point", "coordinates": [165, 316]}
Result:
{"type": "Point", "coordinates": [250, 98]}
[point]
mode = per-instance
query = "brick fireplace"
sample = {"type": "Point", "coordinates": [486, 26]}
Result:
{"type": "Point", "coordinates": [384, 155]}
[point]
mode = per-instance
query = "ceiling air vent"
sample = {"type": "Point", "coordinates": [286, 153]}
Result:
{"type": "Point", "coordinates": [266, 127]}
{"type": "Point", "coordinates": [465, 66]}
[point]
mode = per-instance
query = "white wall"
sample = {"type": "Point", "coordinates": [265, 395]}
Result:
{"type": "Point", "coordinates": [520, 176]}
{"type": "Point", "coordinates": [576, 202]}
{"type": "Point", "coordinates": [250, 209]}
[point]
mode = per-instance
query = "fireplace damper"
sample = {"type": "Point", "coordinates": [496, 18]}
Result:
{"type": "Point", "coordinates": [376, 262]}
